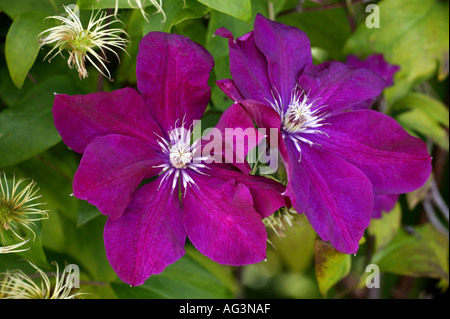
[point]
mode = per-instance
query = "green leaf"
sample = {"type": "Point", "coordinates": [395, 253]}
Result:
{"type": "Point", "coordinates": [28, 129]}
{"type": "Point", "coordinates": [21, 46]}
{"type": "Point", "coordinates": [414, 36]}
{"type": "Point", "coordinates": [331, 265]}
{"type": "Point", "coordinates": [419, 252]}
{"type": "Point", "coordinates": [218, 46]}
{"type": "Point", "coordinates": [185, 279]}
{"type": "Point", "coordinates": [434, 109]}
{"type": "Point", "coordinates": [385, 228]}
{"type": "Point", "coordinates": [415, 197]}
{"type": "Point", "coordinates": [52, 171]}
{"type": "Point", "coordinates": [175, 12]}
{"type": "Point", "coordinates": [34, 250]}
{"type": "Point", "coordinates": [126, 71]}
{"type": "Point", "coordinates": [106, 4]}
{"type": "Point", "coordinates": [424, 115]}
{"type": "Point", "coordinates": [14, 262]}
{"type": "Point", "coordinates": [83, 244]}
{"type": "Point", "coordinates": [192, 29]}
{"type": "Point", "coordinates": [35, 253]}
{"type": "Point", "coordinates": [294, 285]}
{"type": "Point", "coordinates": [239, 9]}
{"type": "Point", "coordinates": [296, 247]}
{"type": "Point", "coordinates": [86, 212]}
{"type": "Point", "coordinates": [331, 39]}
{"type": "Point", "coordinates": [15, 8]}
{"type": "Point", "coordinates": [223, 273]}
{"type": "Point", "coordinates": [9, 93]}
{"type": "Point", "coordinates": [220, 100]}
{"type": "Point", "coordinates": [420, 122]}
{"type": "Point", "coordinates": [278, 5]}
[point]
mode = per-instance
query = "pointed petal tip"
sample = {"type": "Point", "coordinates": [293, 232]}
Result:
{"type": "Point", "coordinates": [224, 33]}
{"type": "Point", "coordinates": [148, 237]}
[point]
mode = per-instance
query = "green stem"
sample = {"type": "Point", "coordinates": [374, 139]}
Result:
{"type": "Point", "coordinates": [31, 78]}
{"type": "Point", "coordinates": [53, 167]}
{"type": "Point", "coordinates": [271, 10]}
{"type": "Point", "coordinates": [299, 8]}
{"type": "Point", "coordinates": [350, 15]}
{"type": "Point", "coordinates": [55, 7]}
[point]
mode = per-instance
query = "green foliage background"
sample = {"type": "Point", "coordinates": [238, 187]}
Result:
{"type": "Point", "coordinates": [409, 244]}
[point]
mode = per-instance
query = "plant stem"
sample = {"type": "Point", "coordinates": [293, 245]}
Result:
{"type": "Point", "coordinates": [299, 7]}
{"type": "Point", "coordinates": [53, 167]}
{"type": "Point", "coordinates": [31, 78]}
{"type": "Point", "coordinates": [350, 15]}
{"type": "Point", "coordinates": [271, 10]}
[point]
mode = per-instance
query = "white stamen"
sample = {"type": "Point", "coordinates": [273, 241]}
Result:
{"type": "Point", "coordinates": [301, 118]}
{"type": "Point", "coordinates": [181, 156]}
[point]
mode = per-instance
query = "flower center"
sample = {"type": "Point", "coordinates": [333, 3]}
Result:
{"type": "Point", "coordinates": [180, 155]}
{"type": "Point", "coordinates": [300, 119]}
{"type": "Point", "coordinates": [299, 116]}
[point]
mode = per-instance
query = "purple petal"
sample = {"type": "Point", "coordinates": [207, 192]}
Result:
{"type": "Point", "coordinates": [265, 117]}
{"type": "Point", "coordinates": [248, 66]}
{"type": "Point", "coordinates": [377, 64]}
{"type": "Point", "coordinates": [394, 161]}
{"type": "Point", "coordinates": [262, 114]}
{"type": "Point", "coordinates": [224, 33]}
{"type": "Point", "coordinates": [221, 222]}
{"type": "Point", "coordinates": [287, 50]}
{"type": "Point", "coordinates": [172, 76]}
{"type": "Point", "coordinates": [266, 193]}
{"type": "Point", "coordinates": [148, 236]}
{"type": "Point", "coordinates": [112, 167]}
{"type": "Point", "coordinates": [383, 203]}
{"type": "Point", "coordinates": [230, 89]}
{"type": "Point", "coordinates": [340, 199]}
{"type": "Point", "coordinates": [236, 121]}
{"type": "Point", "coordinates": [79, 119]}
{"type": "Point", "coordinates": [337, 87]}
{"type": "Point", "coordinates": [297, 188]}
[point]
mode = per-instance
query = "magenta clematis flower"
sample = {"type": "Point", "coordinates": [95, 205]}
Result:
{"type": "Point", "coordinates": [140, 168]}
{"type": "Point", "coordinates": [377, 64]}
{"type": "Point", "coordinates": [383, 203]}
{"type": "Point", "coordinates": [336, 158]}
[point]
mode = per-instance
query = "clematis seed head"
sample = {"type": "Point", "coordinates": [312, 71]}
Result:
{"type": "Point", "coordinates": [140, 4]}
{"type": "Point", "coordinates": [18, 211]}
{"type": "Point", "coordinates": [82, 43]}
{"type": "Point", "coordinates": [281, 220]}
{"type": "Point", "coordinates": [17, 285]}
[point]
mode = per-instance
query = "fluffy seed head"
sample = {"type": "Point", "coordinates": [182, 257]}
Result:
{"type": "Point", "coordinates": [18, 285]}
{"type": "Point", "coordinates": [18, 211]}
{"type": "Point", "coordinates": [140, 4]}
{"type": "Point", "coordinates": [81, 42]}
{"type": "Point", "coordinates": [281, 220]}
